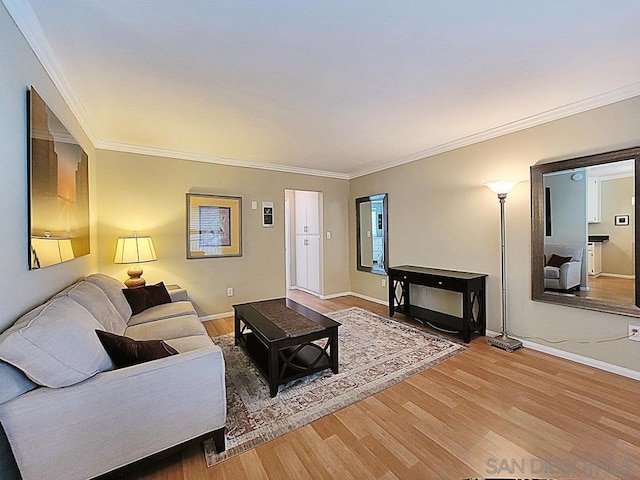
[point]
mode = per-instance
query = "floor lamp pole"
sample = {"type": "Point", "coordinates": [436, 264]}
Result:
{"type": "Point", "coordinates": [503, 340]}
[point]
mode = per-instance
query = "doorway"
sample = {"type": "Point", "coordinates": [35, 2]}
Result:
{"type": "Point", "coordinates": [303, 240]}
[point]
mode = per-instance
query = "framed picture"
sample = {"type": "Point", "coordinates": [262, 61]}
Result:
{"type": "Point", "coordinates": [58, 171]}
{"type": "Point", "coordinates": [621, 220]}
{"type": "Point", "coordinates": [214, 226]}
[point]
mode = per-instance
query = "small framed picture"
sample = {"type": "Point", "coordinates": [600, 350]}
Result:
{"type": "Point", "coordinates": [621, 220]}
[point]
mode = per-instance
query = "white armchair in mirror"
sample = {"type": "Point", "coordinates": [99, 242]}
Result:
{"type": "Point", "coordinates": [563, 267]}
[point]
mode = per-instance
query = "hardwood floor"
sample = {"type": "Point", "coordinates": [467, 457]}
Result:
{"type": "Point", "coordinates": [483, 413]}
{"type": "Point", "coordinates": [614, 289]}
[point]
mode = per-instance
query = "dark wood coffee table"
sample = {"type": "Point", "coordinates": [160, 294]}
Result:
{"type": "Point", "coordinates": [278, 336]}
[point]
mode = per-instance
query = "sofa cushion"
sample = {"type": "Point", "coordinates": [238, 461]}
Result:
{"type": "Point", "coordinates": [112, 289]}
{"type": "Point", "coordinates": [174, 327]}
{"type": "Point", "coordinates": [55, 345]}
{"type": "Point", "coordinates": [551, 272]}
{"type": "Point", "coordinates": [13, 382]}
{"type": "Point", "coordinates": [167, 310]}
{"type": "Point", "coordinates": [91, 297]}
{"type": "Point", "coordinates": [125, 351]}
{"type": "Point", "coordinates": [187, 344]}
{"type": "Point", "coordinates": [142, 298]}
{"type": "Point", "coordinates": [557, 260]}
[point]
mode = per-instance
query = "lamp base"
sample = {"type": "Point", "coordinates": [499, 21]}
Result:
{"type": "Point", "coordinates": [506, 343]}
{"type": "Point", "coordinates": [135, 277]}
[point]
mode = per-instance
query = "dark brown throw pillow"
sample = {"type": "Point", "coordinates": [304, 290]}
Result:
{"type": "Point", "coordinates": [125, 351]}
{"type": "Point", "coordinates": [557, 261]}
{"type": "Point", "coordinates": [141, 298]}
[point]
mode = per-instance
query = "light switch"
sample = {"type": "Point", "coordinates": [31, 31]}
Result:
{"type": "Point", "coordinates": [328, 235]}
{"type": "Point", "coordinates": [254, 205]}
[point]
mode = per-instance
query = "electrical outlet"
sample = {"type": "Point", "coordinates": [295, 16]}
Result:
{"type": "Point", "coordinates": [384, 282]}
{"type": "Point", "coordinates": [230, 292]}
{"type": "Point", "coordinates": [634, 333]}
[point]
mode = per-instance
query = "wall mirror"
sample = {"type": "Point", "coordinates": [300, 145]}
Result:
{"type": "Point", "coordinates": [373, 235]}
{"type": "Point", "coordinates": [584, 233]}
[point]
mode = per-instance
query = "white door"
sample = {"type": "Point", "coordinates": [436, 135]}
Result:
{"type": "Point", "coordinates": [308, 241]}
{"type": "Point", "coordinates": [307, 212]}
{"type": "Point", "coordinates": [287, 244]}
{"type": "Point", "coordinates": [313, 263]}
{"type": "Point", "coordinates": [301, 261]}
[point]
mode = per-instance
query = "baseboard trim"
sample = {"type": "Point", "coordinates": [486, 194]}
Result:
{"type": "Point", "coordinates": [616, 275]}
{"type": "Point", "coordinates": [574, 357]}
{"type": "Point", "coordinates": [315, 294]}
{"type": "Point", "coordinates": [366, 297]}
{"type": "Point", "coordinates": [216, 316]}
{"type": "Point", "coordinates": [334, 295]}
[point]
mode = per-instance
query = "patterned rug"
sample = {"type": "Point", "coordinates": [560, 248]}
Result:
{"type": "Point", "coordinates": [375, 352]}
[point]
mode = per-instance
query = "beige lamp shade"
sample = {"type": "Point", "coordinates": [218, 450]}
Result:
{"type": "Point", "coordinates": [49, 250]}
{"type": "Point", "coordinates": [135, 250]}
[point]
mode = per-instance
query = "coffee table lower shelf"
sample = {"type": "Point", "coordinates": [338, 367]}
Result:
{"type": "Point", "coordinates": [292, 362]}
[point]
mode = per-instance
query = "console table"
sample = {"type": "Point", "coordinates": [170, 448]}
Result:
{"type": "Point", "coordinates": [470, 285]}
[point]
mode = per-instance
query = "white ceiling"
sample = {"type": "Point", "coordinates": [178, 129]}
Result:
{"type": "Point", "coordinates": [339, 86]}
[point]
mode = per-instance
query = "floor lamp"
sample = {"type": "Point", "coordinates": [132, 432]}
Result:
{"type": "Point", "coordinates": [502, 188]}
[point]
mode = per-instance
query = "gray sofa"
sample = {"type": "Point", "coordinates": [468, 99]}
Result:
{"type": "Point", "coordinates": [68, 413]}
{"type": "Point", "coordinates": [569, 274]}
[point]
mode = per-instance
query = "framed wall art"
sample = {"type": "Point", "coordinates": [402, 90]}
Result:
{"type": "Point", "coordinates": [214, 226]}
{"type": "Point", "coordinates": [621, 220]}
{"type": "Point", "coordinates": [58, 172]}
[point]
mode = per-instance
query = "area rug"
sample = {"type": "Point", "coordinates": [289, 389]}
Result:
{"type": "Point", "coordinates": [375, 352]}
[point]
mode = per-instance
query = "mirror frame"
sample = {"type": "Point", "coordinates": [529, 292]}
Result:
{"type": "Point", "coordinates": [385, 229]}
{"type": "Point", "coordinates": [537, 231]}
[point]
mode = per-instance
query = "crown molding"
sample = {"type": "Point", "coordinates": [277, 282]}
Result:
{"type": "Point", "coordinates": [27, 22]}
{"type": "Point", "coordinates": [197, 157]}
{"type": "Point", "coordinates": [581, 106]}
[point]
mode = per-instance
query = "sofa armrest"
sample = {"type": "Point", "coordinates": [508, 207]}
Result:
{"type": "Point", "coordinates": [178, 295]}
{"type": "Point", "coordinates": [116, 417]}
{"type": "Point", "coordinates": [570, 274]}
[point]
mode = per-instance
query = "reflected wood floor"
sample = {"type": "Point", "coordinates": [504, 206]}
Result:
{"type": "Point", "coordinates": [485, 412]}
{"type": "Point", "coordinates": [614, 289]}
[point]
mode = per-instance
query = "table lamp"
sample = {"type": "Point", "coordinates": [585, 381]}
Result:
{"type": "Point", "coordinates": [135, 250]}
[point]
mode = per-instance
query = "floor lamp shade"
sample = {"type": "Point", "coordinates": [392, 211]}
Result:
{"type": "Point", "coordinates": [135, 250]}
{"type": "Point", "coordinates": [501, 187]}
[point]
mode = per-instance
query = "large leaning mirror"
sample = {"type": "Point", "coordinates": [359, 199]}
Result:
{"type": "Point", "coordinates": [373, 236]}
{"type": "Point", "coordinates": [584, 232]}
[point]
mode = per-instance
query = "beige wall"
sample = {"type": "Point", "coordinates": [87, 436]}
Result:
{"type": "Point", "coordinates": [147, 194]}
{"type": "Point", "coordinates": [20, 288]}
{"type": "Point", "coordinates": [441, 215]}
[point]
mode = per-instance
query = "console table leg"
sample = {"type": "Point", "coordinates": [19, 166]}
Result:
{"type": "Point", "coordinates": [466, 317]}
{"type": "Point", "coordinates": [392, 296]}
{"type": "Point", "coordinates": [406, 288]}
